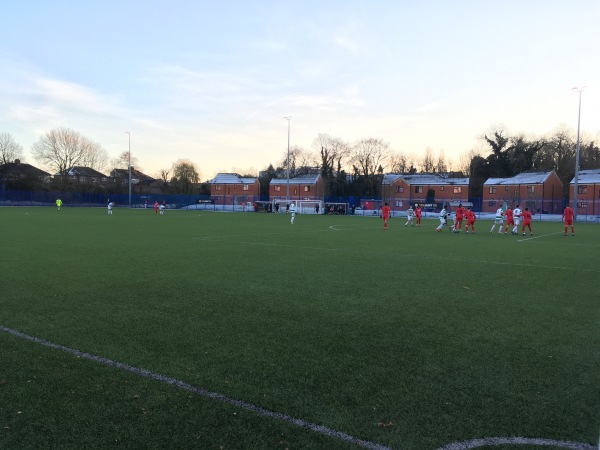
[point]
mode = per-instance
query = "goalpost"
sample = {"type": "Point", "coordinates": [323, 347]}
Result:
{"type": "Point", "coordinates": [310, 207]}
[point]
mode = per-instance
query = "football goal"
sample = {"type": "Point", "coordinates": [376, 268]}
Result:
{"type": "Point", "coordinates": [310, 207]}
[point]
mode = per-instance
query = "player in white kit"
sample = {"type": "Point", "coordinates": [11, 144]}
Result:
{"type": "Point", "coordinates": [499, 220]}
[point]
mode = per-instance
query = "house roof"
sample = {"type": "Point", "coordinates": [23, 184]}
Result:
{"type": "Point", "coordinates": [588, 177]}
{"type": "Point", "coordinates": [231, 178]}
{"type": "Point", "coordinates": [79, 171]}
{"type": "Point", "coordinates": [19, 169]}
{"type": "Point", "coordinates": [427, 179]}
{"type": "Point", "coordinates": [136, 174]}
{"type": "Point", "coordinates": [300, 179]}
{"type": "Point", "coordinates": [522, 178]}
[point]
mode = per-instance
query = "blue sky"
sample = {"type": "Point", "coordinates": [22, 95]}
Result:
{"type": "Point", "coordinates": [211, 81]}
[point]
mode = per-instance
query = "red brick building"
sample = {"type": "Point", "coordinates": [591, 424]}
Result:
{"type": "Point", "coordinates": [588, 192]}
{"type": "Point", "coordinates": [233, 189]}
{"type": "Point", "coordinates": [538, 191]}
{"type": "Point", "coordinates": [399, 190]}
{"type": "Point", "coordinates": [302, 187]}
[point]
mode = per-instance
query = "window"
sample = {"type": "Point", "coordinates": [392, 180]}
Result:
{"type": "Point", "coordinates": [582, 204]}
{"type": "Point", "coordinates": [399, 189]}
{"type": "Point", "coordinates": [295, 191]}
{"type": "Point", "coordinates": [246, 187]}
{"type": "Point", "coordinates": [217, 187]}
{"type": "Point", "coordinates": [277, 188]}
{"type": "Point", "coordinates": [582, 189]}
{"type": "Point", "coordinates": [505, 188]}
{"type": "Point", "coordinates": [492, 190]}
{"type": "Point", "coordinates": [398, 203]}
{"type": "Point", "coordinates": [457, 189]}
{"type": "Point", "coordinates": [306, 188]}
{"type": "Point", "coordinates": [418, 189]}
{"type": "Point", "coordinates": [441, 188]}
{"type": "Point", "coordinates": [515, 193]}
{"type": "Point", "coordinates": [530, 189]}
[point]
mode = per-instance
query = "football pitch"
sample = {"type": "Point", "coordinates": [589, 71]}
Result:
{"type": "Point", "coordinates": [199, 329]}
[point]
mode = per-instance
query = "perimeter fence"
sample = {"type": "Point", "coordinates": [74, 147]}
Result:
{"type": "Point", "coordinates": [542, 209]}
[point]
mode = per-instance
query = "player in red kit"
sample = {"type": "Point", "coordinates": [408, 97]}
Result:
{"type": "Point", "coordinates": [385, 213]}
{"type": "Point", "coordinates": [470, 216]}
{"type": "Point", "coordinates": [509, 219]}
{"type": "Point", "coordinates": [459, 216]}
{"type": "Point", "coordinates": [156, 207]}
{"type": "Point", "coordinates": [418, 213]}
{"type": "Point", "coordinates": [567, 217]}
{"type": "Point", "coordinates": [527, 221]}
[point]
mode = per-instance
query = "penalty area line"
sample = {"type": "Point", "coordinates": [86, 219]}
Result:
{"type": "Point", "coordinates": [203, 392]}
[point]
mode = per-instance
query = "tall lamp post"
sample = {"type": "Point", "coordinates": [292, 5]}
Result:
{"type": "Point", "coordinates": [576, 184]}
{"type": "Point", "coordinates": [129, 164]}
{"type": "Point", "coordinates": [287, 195]}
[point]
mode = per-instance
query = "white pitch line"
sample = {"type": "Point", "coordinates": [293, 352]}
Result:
{"type": "Point", "coordinates": [203, 392]}
{"type": "Point", "coordinates": [537, 237]}
{"type": "Point", "coordinates": [497, 441]}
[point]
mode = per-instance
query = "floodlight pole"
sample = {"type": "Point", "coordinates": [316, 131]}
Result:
{"type": "Point", "coordinates": [577, 148]}
{"type": "Point", "coordinates": [129, 164]}
{"type": "Point", "coordinates": [287, 195]}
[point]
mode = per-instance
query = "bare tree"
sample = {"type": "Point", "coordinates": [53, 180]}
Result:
{"type": "Point", "coordinates": [428, 163]}
{"type": "Point", "coordinates": [368, 158]}
{"type": "Point", "coordinates": [163, 176]}
{"type": "Point", "coordinates": [331, 152]}
{"type": "Point", "coordinates": [441, 166]}
{"type": "Point", "coordinates": [299, 159]}
{"type": "Point", "coordinates": [62, 148]}
{"type": "Point", "coordinates": [95, 156]}
{"type": "Point", "coordinates": [369, 155]}
{"type": "Point", "coordinates": [464, 161]}
{"type": "Point", "coordinates": [122, 162]}
{"type": "Point", "coordinates": [399, 163]}
{"type": "Point", "coordinates": [9, 149]}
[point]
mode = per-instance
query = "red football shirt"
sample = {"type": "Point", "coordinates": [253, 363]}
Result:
{"type": "Point", "coordinates": [568, 214]}
{"type": "Point", "coordinates": [385, 212]}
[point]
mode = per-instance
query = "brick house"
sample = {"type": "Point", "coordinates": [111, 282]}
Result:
{"type": "Point", "coordinates": [233, 189]}
{"type": "Point", "coordinates": [588, 192]}
{"type": "Point", "coordinates": [22, 175]}
{"type": "Point", "coordinates": [400, 190]}
{"type": "Point", "coordinates": [83, 178]}
{"type": "Point", "coordinates": [141, 183]}
{"type": "Point", "coordinates": [539, 191]}
{"type": "Point", "coordinates": [302, 187]}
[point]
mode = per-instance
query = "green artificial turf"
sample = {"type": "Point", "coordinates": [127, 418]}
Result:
{"type": "Point", "coordinates": [407, 338]}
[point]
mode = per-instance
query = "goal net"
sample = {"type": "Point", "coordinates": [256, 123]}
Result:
{"type": "Point", "coordinates": [310, 207]}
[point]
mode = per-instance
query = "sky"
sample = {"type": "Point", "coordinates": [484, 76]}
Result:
{"type": "Point", "coordinates": [211, 81]}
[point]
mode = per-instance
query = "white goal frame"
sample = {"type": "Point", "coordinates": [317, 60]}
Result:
{"type": "Point", "coordinates": [309, 206]}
